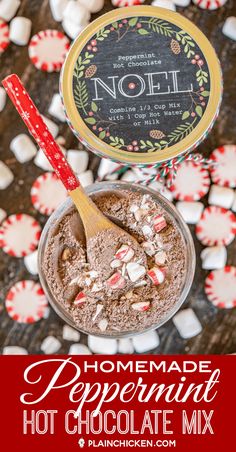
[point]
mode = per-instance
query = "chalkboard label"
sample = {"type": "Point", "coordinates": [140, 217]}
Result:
{"type": "Point", "coordinates": [141, 84]}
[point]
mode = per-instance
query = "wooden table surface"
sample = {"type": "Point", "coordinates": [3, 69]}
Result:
{"type": "Point", "coordinates": [219, 326]}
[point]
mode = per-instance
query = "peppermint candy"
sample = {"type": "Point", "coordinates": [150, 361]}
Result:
{"type": "Point", "coordinates": [192, 182]}
{"type": "Point", "coordinates": [19, 235]}
{"type": "Point", "coordinates": [26, 302]}
{"type": "Point", "coordinates": [223, 173]}
{"type": "Point", "coordinates": [4, 36]}
{"type": "Point", "coordinates": [209, 4]}
{"type": "Point", "coordinates": [121, 3]}
{"type": "Point", "coordinates": [217, 226]}
{"type": "Point", "coordinates": [48, 49]}
{"type": "Point", "coordinates": [47, 193]}
{"type": "Point", "coordinates": [220, 287]}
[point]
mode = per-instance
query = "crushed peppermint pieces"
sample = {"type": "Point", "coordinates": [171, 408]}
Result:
{"type": "Point", "coordinates": [160, 257]}
{"type": "Point", "coordinates": [141, 306]}
{"type": "Point", "coordinates": [102, 325]}
{"type": "Point", "coordinates": [149, 248]}
{"type": "Point", "coordinates": [159, 223]}
{"type": "Point", "coordinates": [157, 275]}
{"type": "Point", "coordinates": [116, 281]}
{"type": "Point", "coordinates": [99, 309]}
{"type": "Point", "coordinates": [135, 271]}
{"type": "Point", "coordinates": [80, 299]}
{"type": "Point", "coordinates": [125, 253]}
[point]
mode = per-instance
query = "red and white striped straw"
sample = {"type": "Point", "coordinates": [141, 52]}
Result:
{"type": "Point", "coordinates": [38, 129]}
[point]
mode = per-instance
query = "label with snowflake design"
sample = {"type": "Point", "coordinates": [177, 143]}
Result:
{"type": "Point", "coordinates": [142, 85]}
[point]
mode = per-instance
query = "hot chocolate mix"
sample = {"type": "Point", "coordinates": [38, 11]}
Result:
{"type": "Point", "coordinates": [135, 287]}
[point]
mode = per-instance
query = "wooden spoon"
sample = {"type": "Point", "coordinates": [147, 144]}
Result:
{"type": "Point", "coordinates": [94, 222]}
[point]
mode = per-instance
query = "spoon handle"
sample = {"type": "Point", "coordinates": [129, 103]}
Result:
{"type": "Point", "coordinates": [38, 129]}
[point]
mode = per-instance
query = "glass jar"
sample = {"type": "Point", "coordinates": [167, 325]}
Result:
{"type": "Point", "coordinates": [103, 188]}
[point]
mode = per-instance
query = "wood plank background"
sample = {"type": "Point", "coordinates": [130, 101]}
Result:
{"type": "Point", "coordinates": [219, 326]}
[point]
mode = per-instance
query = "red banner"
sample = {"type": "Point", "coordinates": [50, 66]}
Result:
{"type": "Point", "coordinates": [67, 403]}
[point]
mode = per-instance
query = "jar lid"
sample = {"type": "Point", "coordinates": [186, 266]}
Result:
{"type": "Point", "coordinates": [141, 85]}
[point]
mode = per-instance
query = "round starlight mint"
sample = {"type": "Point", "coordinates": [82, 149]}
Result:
{"type": "Point", "coordinates": [141, 85]}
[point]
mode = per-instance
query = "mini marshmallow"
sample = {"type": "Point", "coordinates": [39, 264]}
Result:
{"type": "Point", "coordinates": [213, 257]}
{"type": "Point", "coordinates": [107, 166]}
{"type": "Point", "coordinates": [187, 323]}
{"type": "Point", "coordinates": [92, 5]}
{"type": "Point", "coordinates": [125, 346]}
{"type": "Point", "coordinates": [3, 215]}
{"type": "Point", "coordinates": [182, 3]}
{"type": "Point", "coordinates": [145, 342]}
{"type": "Point", "coordinates": [3, 98]}
{"type": "Point", "coordinates": [158, 186]}
{"type": "Point", "coordinates": [190, 211]}
{"type": "Point", "coordinates": [76, 13]}
{"type": "Point", "coordinates": [102, 346]}
{"type": "Point", "coordinates": [86, 178]}
{"type": "Point", "coordinates": [50, 345]}
{"type": "Point", "coordinates": [78, 160]}
{"type": "Point", "coordinates": [31, 263]}
{"type": "Point", "coordinates": [60, 140]}
{"type": "Point", "coordinates": [52, 126]}
{"type": "Point", "coordinates": [72, 29]}
{"type": "Point", "coordinates": [42, 162]}
{"type": "Point", "coordinates": [6, 176]}
{"type": "Point", "coordinates": [229, 28]}
{"type": "Point", "coordinates": [20, 29]}
{"type": "Point", "coordinates": [143, 172]}
{"type": "Point", "coordinates": [221, 196]}
{"type": "Point", "coordinates": [14, 350]}
{"type": "Point", "coordinates": [79, 349]}
{"type": "Point", "coordinates": [168, 4]}
{"type": "Point", "coordinates": [234, 203]}
{"type": "Point", "coordinates": [23, 148]}
{"type": "Point", "coordinates": [8, 9]}
{"type": "Point", "coordinates": [129, 176]}
{"type": "Point", "coordinates": [57, 9]}
{"type": "Point", "coordinates": [46, 313]}
{"type": "Point", "coordinates": [56, 108]}
{"type": "Point", "coordinates": [69, 334]}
